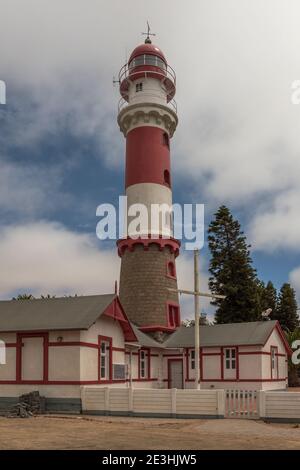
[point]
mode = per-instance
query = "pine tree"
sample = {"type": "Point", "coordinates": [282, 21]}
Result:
{"type": "Point", "coordinates": [23, 297]}
{"type": "Point", "coordinates": [268, 298]}
{"type": "Point", "coordinates": [286, 312]}
{"type": "Point", "coordinates": [231, 271]}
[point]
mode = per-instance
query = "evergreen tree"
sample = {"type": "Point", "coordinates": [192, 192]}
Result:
{"type": "Point", "coordinates": [268, 298]}
{"type": "Point", "coordinates": [286, 312]}
{"type": "Point", "coordinates": [23, 297]}
{"type": "Point", "coordinates": [231, 271]}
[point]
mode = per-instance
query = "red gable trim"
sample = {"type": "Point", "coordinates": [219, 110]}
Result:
{"type": "Point", "coordinates": [115, 311]}
{"type": "Point", "coordinates": [279, 330]}
{"type": "Point", "coordinates": [283, 337]}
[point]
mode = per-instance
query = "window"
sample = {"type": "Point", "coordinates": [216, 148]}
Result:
{"type": "Point", "coordinates": [192, 358]}
{"type": "Point", "coordinates": [151, 60]}
{"type": "Point", "coordinates": [143, 364]}
{"type": "Point", "coordinates": [171, 269]}
{"type": "Point", "coordinates": [166, 140]}
{"type": "Point", "coordinates": [230, 358]}
{"type": "Point", "coordinates": [137, 61]}
{"type": "Point", "coordinates": [148, 59]}
{"type": "Point", "coordinates": [105, 355]}
{"type": "Point", "coordinates": [173, 316]}
{"type": "Point", "coordinates": [138, 87]}
{"type": "Point", "coordinates": [274, 361]}
{"type": "Point", "coordinates": [167, 178]}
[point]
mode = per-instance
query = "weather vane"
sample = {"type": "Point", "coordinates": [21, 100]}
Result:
{"type": "Point", "coordinates": [148, 34]}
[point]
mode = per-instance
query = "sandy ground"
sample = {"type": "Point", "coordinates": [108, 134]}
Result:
{"type": "Point", "coordinates": [58, 432]}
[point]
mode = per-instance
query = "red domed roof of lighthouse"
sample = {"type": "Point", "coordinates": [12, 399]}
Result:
{"type": "Point", "coordinates": [147, 48]}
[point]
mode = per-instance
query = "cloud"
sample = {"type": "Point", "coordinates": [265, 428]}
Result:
{"type": "Point", "coordinates": [27, 191]}
{"type": "Point", "coordinates": [295, 281]}
{"type": "Point", "coordinates": [278, 226]}
{"type": "Point", "coordinates": [185, 276]}
{"type": "Point", "coordinates": [233, 83]}
{"type": "Point", "coordinates": [46, 258]}
{"type": "Point", "coordinates": [237, 141]}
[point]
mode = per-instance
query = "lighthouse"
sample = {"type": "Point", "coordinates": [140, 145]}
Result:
{"type": "Point", "coordinates": [147, 117]}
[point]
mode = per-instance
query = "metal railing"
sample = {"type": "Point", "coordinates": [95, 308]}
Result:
{"type": "Point", "coordinates": [166, 72]}
{"type": "Point", "coordinates": [123, 104]}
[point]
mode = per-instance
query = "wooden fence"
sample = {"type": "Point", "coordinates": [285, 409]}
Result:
{"type": "Point", "coordinates": [271, 406]}
{"type": "Point", "coordinates": [280, 406]}
{"type": "Point", "coordinates": [241, 404]}
{"type": "Point", "coordinates": [153, 402]}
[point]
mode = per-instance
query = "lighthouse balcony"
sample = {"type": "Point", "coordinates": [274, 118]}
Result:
{"type": "Point", "coordinates": [147, 66]}
{"type": "Point", "coordinates": [123, 103]}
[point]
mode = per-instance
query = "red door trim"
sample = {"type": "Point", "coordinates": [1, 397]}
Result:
{"type": "Point", "coordinates": [169, 370]}
{"type": "Point", "coordinates": [45, 337]}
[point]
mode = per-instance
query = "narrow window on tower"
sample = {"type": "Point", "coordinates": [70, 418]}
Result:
{"type": "Point", "coordinates": [171, 272]}
{"type": "Point", "coordinates": [167, 178]}
{"type": "Point", "coordinates": [166, 140]}
{"type": "Point", "coordinates": [138, 87]}
{"type": "Point", "coordinates": [173, 315]}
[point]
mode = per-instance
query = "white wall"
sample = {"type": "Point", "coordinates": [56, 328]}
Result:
{"type": "Point", "coordinates": [153, 402]}
{"type": "Point", "coordinates": [280, 405]}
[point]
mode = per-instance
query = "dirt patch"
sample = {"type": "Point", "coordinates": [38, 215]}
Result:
{"type": "Point", "coordinates": [62, 432]}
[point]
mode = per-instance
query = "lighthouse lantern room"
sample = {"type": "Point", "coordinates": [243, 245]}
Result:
{"type": "Point", "coordinates": [148, 119]}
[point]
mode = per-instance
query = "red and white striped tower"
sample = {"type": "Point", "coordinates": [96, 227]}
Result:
{"type": "Point", "coordinates": [147, 117]}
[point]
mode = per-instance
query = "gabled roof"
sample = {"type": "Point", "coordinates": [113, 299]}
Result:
{"type": "Point", "coordinates": [231, 334]}
{"type": "Point", "coordinates": [66, 313]}
{"type": "Point", "coordinates": [145, 340]}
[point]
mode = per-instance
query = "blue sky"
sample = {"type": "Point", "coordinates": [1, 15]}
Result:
{"type": "Point", "coordinates": [62, 154]}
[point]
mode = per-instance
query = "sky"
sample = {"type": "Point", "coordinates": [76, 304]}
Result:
{"type": "Point", "coordinates": [62, 154]}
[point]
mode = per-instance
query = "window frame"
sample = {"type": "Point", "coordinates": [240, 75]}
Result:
{"type": "Point", "coordinates": [230, 358]}
{"type": "Point", "coordinates": [145, 363]}
{"type": "Point", "coordinates": [171, 272]}
{"type": "Point", "coordinates": [147, 59]}
{"type": "Point", "coordinates": [166, 140]}
{"type": "Point", "coordinates": [167, 178]}
{"type": "Point", "coordinates": [192, 356]}
{"type": "Point", "coordinates": [274, 362]}
{"type": "Point", "coordinates": [138, 87]}
{"type": "Point", "coordinates": [173, 315]}
{"type": "Point", "coordinates": [107, 341]}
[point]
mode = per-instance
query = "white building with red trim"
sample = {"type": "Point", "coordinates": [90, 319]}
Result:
{"type": "Point", "coordinates": [58, 345]}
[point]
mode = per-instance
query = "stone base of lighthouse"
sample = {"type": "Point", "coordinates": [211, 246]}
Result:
{"type": "Point", "coordinates": [146, 275]}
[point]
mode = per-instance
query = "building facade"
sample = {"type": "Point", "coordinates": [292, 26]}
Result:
{"type": "Point", "coordinates": [58, 345]}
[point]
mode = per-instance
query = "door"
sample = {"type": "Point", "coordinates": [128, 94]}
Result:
{"type": "Point", "coordinates": [175, 373]}
{"type": "Point", "coordinates": [32, 358]}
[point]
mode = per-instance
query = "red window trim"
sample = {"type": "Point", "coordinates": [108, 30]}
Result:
{"type": "Point", "coordinates": [148, 375]}
{"type": "Point", "coordinates": [108, 339]}
{"type": "Point", "coordinates": [168, 305]}
{"type": "Point", "coordinates": [277, 361]}
{"type": "Point", "coordinates": [168, 262]}
{"type": "Point", "coordinates": [167, 178]}
{"type": "Point", "coordinates": [237, 363]}
{"type": "Point", "coordinates": [166, 139]}
{"type": "Point", "coordinates": [189, 362]}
